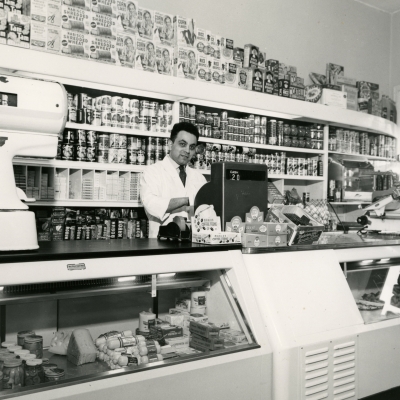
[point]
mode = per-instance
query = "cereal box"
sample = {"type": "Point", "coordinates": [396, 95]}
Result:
{"type": "Point", "coordinates": [103, 49]}
{"type": "Point", "coordinates": [164, 59]}
{"type": "Point", "coordinates": [45, 38]}
{"type": "Point", "coordinates": [145, 25]}
{"type": "Point", "coordinates": [255, 81]}
{"type": "Point", "coordinates": [238, 56]}
{"type": "Point", "coordinates": [227, 46]}
{"type": "Point", "coordinates": [250, 56]}
{"type": "Point", "coordinates": [184, 29]}
{"type": "Point", "coordinates": [203, 69]}
{"type": "Point", "coordinates": [145, 55]}
{"type": "Point", "coordinates": [108, 7]}
{"type": "Point", "coordinates": [217, 49]}
{"type": "Point", "coordinates": [75, 19]}
{"type": "Point", "coordinates": [261, 60]}
{"type": "Point", "coordinates": [231, 74]}
{"type": "Point", "coordinates": [53, 13]}
{"type": "Point", "coordinates": [243, 78]}
{"type": "Point", "coordinates": [38, 11]}
{"type": "Point", "coordinates": [217, 74]}
{"type": "Point", "coordinates": [213, 47]}
{"type": "Point", "coordinates": [19, 30]}
{"type": "Point", "coordinates": [201, 42]}
{"type": "Point", "coordinates": [126, 50]}
{"type": "Point", "coordinates": [3, 25]}
{"type": "Point", "coordinates": [268, 81]}
{"type": "Point", "coordinates": [164, 29]}
{"type": "Point", "coordinates": [333, 71]}
{"type": "Point", "coordinates": [103, 25]}
{"type": "Point", "coordinates": [127, 17]}
{"type": "Point", "coordinates": [185, 63]}
{"type": "Point", "coordinates": [74, 44]}
{"type": "Point", "coordinates": [273, 66]}
{"type": "Point", "coordinates": [84, 4]}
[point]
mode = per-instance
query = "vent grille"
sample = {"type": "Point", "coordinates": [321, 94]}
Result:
{"type": "Point", "coordinates": [328, 371]}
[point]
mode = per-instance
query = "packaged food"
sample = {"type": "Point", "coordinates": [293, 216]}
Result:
{"type": "Point", "coordinates": [203, 68]}
{"type": "Point", "coordinates": [74, 44]}
{"type": "Point", "coordinates": [145, 55]}
{"type": "Point", "coordinates": [273, 67]}
{"type": "Point", "coordinates": [145, 25]}
{"type": "Point", "coordinates": [251, 53]}
{"type": "Point", "coordinates": [231, 74]}
{"type": "Point", "coordinates": [83, 4]}
{"type": "Point", "coordinates": [163, 29]}
{"type": "Point", "coordinates": [333, 71]}
{"type": "Point", "coordinates": [103, 49]}
{"type": "Point", "coordinates": [19, 30]}
{"type": "Point", "coordinates": [201, 42]}
{"type": "Point", "coordinates": [53, 13]}
{"type": "Point", "coordinates": [227, 46]}
{"type": "Point", "coordinates": [75, 19]}
{"type": "Point", "coordinates": [206, 330]}
{"type": "Point", "coordinates": [126, 50]}
{"type": "Point", "coordinates": [238, 56]}
{"type": "Point", "coordinates": [185, 63]}
{"type": "Point", "coordinates": [244, 75]}
{"type": "Point", "coordinates": [102, 25]}
{"type": "Point", "coordinates": [45, 38]}
{"type": "Point", "coordinates": [127, 17]}
{"type": "Point", "coordinates": [164, 59]}
{"type": "Point", "coordinates": [108, 7]}
{"type": "Point", "coordinates": [81, 349]}
{"type": "Point", "coordinates": [184, 31]}
{"type": "Point", "coordinates": [255, 80]}
{"type": "Point", "coordinates": [217, 72]}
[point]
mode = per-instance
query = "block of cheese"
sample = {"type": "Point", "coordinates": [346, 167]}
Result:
{"type": "Point", "coordinates": [81, 349]}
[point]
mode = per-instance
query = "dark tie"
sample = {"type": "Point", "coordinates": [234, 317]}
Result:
{"type": "Point", "coordinates": [182, 174]}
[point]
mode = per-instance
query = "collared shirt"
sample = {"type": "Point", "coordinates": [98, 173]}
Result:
{"type": "Point", "coordinates": [175, 164]}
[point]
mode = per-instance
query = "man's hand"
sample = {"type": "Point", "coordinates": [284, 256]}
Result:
{"type": "Point", "coordinates": [176, 203]}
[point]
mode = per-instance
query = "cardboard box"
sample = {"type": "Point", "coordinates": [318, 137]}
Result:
{"type": "Point", "coordinates": [45, 38]}
{"type": "Point", "coordinates": [216, 237]}
{"type": "Point", "coordinates": [145, 55]}
{"type": "Point", "coordinates": [206, 330]}
{"type": "Point", "coordinates": [126, 50]}
{"type": "Point", "coordinates": [254, 216]}
{"type": "Point", "coordinates": [284, 87]}
{"type": "Point", "coordinates": [178, 343]}
{"type": "Point", "coordinates": [238, 56]}
{"type": "Point", "coordinates": [185, 63]}
{"type": "Point", "coordinates": [53, 13]}
{"type": "Point", "coordinates": [244, 76]}
{"type": "Point", "coordinates": [127, 18]}
{"type": "Point", "coordinates": [102, 25]}
{"type": "Point", "coordinates": [103, 49]}
{"type": "Point", "coordinates": [38, 11]}
{"type": "Point", "coordinates": [235, 227]}
{"type": "Point", "coordinates": [201, 42]}
{"type": "Point", "coordinates": [174, 319]}
{"type": "Point", "coordinates": [334, 98]}
{"type": "Point", "coordinates": [84, 5]}
{"type": "Point", "coordinates": [267, 228]}
{"type": "Point", "coordinates": [217, 72]}
{"type": "Point", "coordinates": [273, 67]}
{"type": "Point", "coordinates": [227, 46]}
{"type": "Point", "coordinates": [231, 74]}
{"type": "Point", "coordinates": [333, 71]}
{"type": "Point", "coordinates": [108, 7]}
{"type": "Point", "coordinates": [164, 59]}
{"type": "Point", "coordinates": [251, 53]}
{"type": "Point", "coordinates": [203, 68]}
{"type": "Point", "coordinates": [184, 31]}
{"type": "Point", "coordinates": [213, 46]}
{"type": "Point", "coordinates": [352, 96]}
{"type": "Point", "coordinates": [164, 29]}
{"type": "Point", "coordinates": [202, 343]}
{"type": "Point", "coordinates": [297, 234]}
{"type": "Point", "coordinates": [75, 19]}
{"type": "Point", "coordinates": [343, 80]}
{"type": "Point", "coordinates": [19, 30]}
{"type": "Point", "coordinates": [165, 331]}
{"type": "Point", "coordinates": [263, 240]}
{"type": "Point", "coordinates": [233, 335]}
{"type": "Point", "coordinates": [256, 80]}
{"type": "Point", "coordinates": [145, 24]}
{"type": "Point", "coordinates": [74, 44]}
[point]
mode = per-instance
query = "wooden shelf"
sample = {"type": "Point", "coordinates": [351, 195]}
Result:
{"type": "Point", "coordinates": [86, 203]}
{"type": "Point", "coordinates": [296, 177]}
{"type": "Point", "coordinates": [364, 156]}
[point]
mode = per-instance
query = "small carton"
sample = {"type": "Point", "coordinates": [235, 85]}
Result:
{"type": "Point", "coordinates": [74, 44]}
{"type": "Point", "coordinates": [174, 319]}
{"type": "Point", "coordinates": [251, 53]}
{"type": "Point", "coordinates": [238, 56]}
{"type": "Point", "coordinates": [103, 25]}
{"type": "Point", "coordinates": [108, 7]}
{"type": "Point", "coordinates": [75, 19]}
{"type": "Point", "coordinates": [145, 55]}
{"type": "Point", "coordinates": [318, 79]}
{"type": "Point", "coordinates": [145, 25]}
{"type": "Point", "coordinates": [227, 46]}
{"type": "Point", "coordinates": [262, 56]}
{"type": "Point", "coordinates": [255, 215]}
{"type": "Point", "coordinates": [19, 30]}
{"type": "Point", "coordinates": [231, 74]}
{"type": "Point", "coordinates": [352, 96]}
{"type": "Point", "coordinates": [203, 68]}
{"type": "Point", "coordinates": [273, 67]}
{"type": "Point", "coordinates": [235, 225]}
{"type": "Point", "coordinates": [126, 50]}
{"type": "Point", "coordinates": [206, 330]}
{"type": "Point", "coordinates": [201, 42]}
{"type": "Point", "coordinates": [163, 29]}
{"type": "Point", "coordinates": [268, 81]}
{"type": "Point", "coordinates": [343, 80]}
{"type": "Point", "coordinates": [198, 318]}
{"type": "Point", "coordinates": [38, 11]}
{"type": "Point", "coordinates": [127, 18]}
{"type": "Point", "coordinates": [45, 38]}
{"type": "Point", "coordinates": [83, 4]}
{"type": "Point", "coordinates": [103, 49]}
{"type": "Point", "coordinates": [284, 86]}
{"type": "Point", "coordinates": [244, 75]}
{"type": "Point", "coordinates": [164, 59]}
{"type": "Point", "coordinates": [217, 238]}
{"type": "Point", "coordinates": [185, 63]}
{"type": "Point", "coordinates": [213, 47]}
{"type": "Point", "coordinates": [256, 80]}
{"type": "Point", "coordinates": [233, 335]}
{"type": "Point", "coordinates": [217, 72]}
{"type": "Point", "coordinates": [276, 240]}
{"type": "Point", "coordinates": [184, 31]}
{"type": "Point", "coordinates": [333, 71]}
{"type": "Point", "coordinates": [165, 331]}
{"type": "Point", "coordinates": [334, 98]}
{"type": "Point", "coordinates": [254, 240]}
{"type": "Point", "coordinates": [203, 344]}
{"type": "Point", "coordinates": [53, 13]}
{"type": "Point", "coordinates": [178, 343]}
{"type": "Point", "coordinates": [365, 89]}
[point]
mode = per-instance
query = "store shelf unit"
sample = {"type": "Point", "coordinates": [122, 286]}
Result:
{"type": "Point", "coordinates": [374, 158]}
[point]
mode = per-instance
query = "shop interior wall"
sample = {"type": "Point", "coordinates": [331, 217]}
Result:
{"type": "Point", "coordinates": [304, 33]}
{"type": "Point", "coordinates": [395, 51]}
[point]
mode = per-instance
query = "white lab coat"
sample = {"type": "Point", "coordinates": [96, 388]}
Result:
{"type": "Point", "coordinates": [159, 184]}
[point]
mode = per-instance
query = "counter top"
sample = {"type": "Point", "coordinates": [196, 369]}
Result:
{"type": "Point", "coordinates": [68, 250]}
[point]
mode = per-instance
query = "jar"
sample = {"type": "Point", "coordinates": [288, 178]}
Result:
{"type": "Point", "coordinates": [313, 144]}
{"type": "Point", "coordinates": [200, 117]}
{"type": "Point", "coordinates": [4, 357]}
{"type": "Point", "coordinates": [54, 374]}
{"type": "Point", "coordinates": [293, 130]}
{"type": "Point", "coordinates": [287, 141]}
{"type": "Point", "coordinates": [308, 143]}
{"type": "Point", "coordinates": [308, 132]}
{"type": "Point", "coordinates": [35, 345]}
{"type": "Point", "coordinates": [13, 373]}
{"type": "Point", "coordinates": [21, 336]}
{"type": "Point", "coordinates": [209, 119]}
{"type": "Point", "coordinates": [302, 142]}
{"type": "Point", "coordinates": [301, 131]}
{"type": "Point", "coordinates": [34, 372]}
{"type": "Point", "coordinates": [49, 366]}
{"type": "Point", "coordinates": [295, 141]}
{"type": "Point", "coordinates": [286, 129]}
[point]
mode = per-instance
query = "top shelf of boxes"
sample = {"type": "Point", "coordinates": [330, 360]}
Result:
{"type": "Point", "coordinates": [102, 76]}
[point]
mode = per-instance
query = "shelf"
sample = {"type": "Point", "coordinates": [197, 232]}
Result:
{"type": "Point", "coordinates": [91, 74]}
{"type": "Point", "coordinates": [121, 131]}
{"type": "Point", "coordinates": [296, 177]}
{"type": "Point", "coordinates": [349, 203]}
{"type": "Point", "coordinates": [86, 203]}
{"type": "Point", "coordinates": [260, 146]}
{"type": "Point", "coordinates": [364, 156]}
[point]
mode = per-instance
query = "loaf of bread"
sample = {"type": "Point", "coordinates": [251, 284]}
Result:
{"type": "Point", "coordinates": [81, 349]}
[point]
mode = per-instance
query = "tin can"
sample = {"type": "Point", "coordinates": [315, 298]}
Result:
{"type": "Point", "coordinates": [134, 106]}
{"type": "Point", "coordinates": [134, 121]}
{"type": "Point", "coordinates": [80, 136]}
{"type": "Point", "coordinates": [122, 142]}
{"type": "Point", "coordinates": [116, 103]}
{"type": "Point", "coordinates": [126, 105]}
{"type": "Point", "coordinates": [151, 144]}
{"type": "Point", "coordinates": [153, 124]}
{"type": "Point", "coordinates": [224, 135]}
{"type": "Point", "coordinates": [114, 140]}
{"type": "Point", "coordinates": [34, 344]}
{"type": "Point", "coordinates": [113, 156]}
{"type": "Point", "coordinates": [150, 158]}
{"type": "Point", "coordinates": [216, 120]}
{"type": "Point", "coordinates": [115, 119]}
{"type": "Point", "coordinates": [224, 125]}
{"type": "Point", "coordinates": [91, 153]}
{"type": "Point", "coordinates": [80, 152]}
{"type": "Point", "coordinates": [89, 115]}
{"type": "Point", "coordinates": [105, 103]}
{"type": "Point", "coordinates": [166, 146]}
{"type": "Point", "coordinates": [106, 118]}
{"type": "Point", "coordinates": [132, 156]}
{"type": "Point", "coordinates": [122, 154]}
{"type": "Point", "coordinates": [103, 141]}
{"type": "Point", "coordinates": [81, 100]}
{"type": "Point", "coordinates": [102, 156]}
{"type": "Point", "coordinates": [142, 123]}
{"type": "Point", "coordinates": [71, 114]}
{"type": "Point", "coordinates": [143, 108]}
{"type": "Point", "coordinates": [124, 121]}
{"type": "Point", "coordinates": [96, 120]}
{"type": "Point", "coordinates": [91, 137]}
{"type": "Point", "coordinates": [69, 136]}
{"type": "Point", "coordinates": [81, 115]}
{"type": "Point", "coordinates": [141, 157]}
{"type": "Point", "coordinates": [134, 143]}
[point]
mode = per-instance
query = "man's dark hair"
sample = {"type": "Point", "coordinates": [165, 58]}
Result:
{"type": "Point", "coordinates": [184, 126]}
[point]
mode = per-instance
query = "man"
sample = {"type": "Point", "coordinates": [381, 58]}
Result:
{"type": "Point", "coordinates": [168, 187]}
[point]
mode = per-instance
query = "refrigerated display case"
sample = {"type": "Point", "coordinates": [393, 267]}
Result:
{"type": "Point", "coordinates": [104, 287]}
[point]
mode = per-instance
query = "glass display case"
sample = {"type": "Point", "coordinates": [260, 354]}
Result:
{"type": "Point", "coordinates": [375, 287]}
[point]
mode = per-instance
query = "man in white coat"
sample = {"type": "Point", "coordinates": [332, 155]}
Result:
{"type": "Point", "coordinates": [168, 187]}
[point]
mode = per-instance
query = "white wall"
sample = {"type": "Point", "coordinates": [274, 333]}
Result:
{"type": "Point", "coordinates": [395, 51]}
{"type": "Point", "coordinates": [304, 33]}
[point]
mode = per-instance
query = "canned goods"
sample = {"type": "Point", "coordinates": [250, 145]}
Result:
{"type": "Point", "coordinates": [80, 153]}
{"type": "Point", "coordinates": [69, 136]}
{"type": "Point", "coordinates": [132, 156]}
{"type": "Point", "coordinates": [91, 137]}
{"type": "Point", "coordinates": [102, 156]}
{"type": "Point", "coordinates": [126, 105]}
{"type": "Point", "coordinates": [115, 119]}
{"type": "Point", "coordinates": [124, 121]}
{"type": "Point", "coordinates": [122, 142]}
{"type": "Point", "coordinates": [91, 153]}
{"type": "Point", "coordinates": [143, 108]}
{"type": "Point", "coordinates": [116, 103]}
{"type": "Point", "coordinates": [140, 157]}
{"type": "Point", "coordinates": [151, 144]}
{"type": "Point", "coordinates": [114, 140]}
{"type": "Point", "coordinates": [142, 123]}
{"type": "Point", "coordinates": [89, 115]}
{"type": "Point", "coordinates": [81, 100]}
{"type": "Point", "coordinates": [224, 125]}
{"type": "Point", "coordinates": [96, 120]}
{"type": "Point", "coordinates": [153, 124]}
{"type": "Point", "coordinates": [106, 118]}
{"type": "Point", "coordinates": [216, 120]}
{"type": "Point", "coordinates": [134, 121]}
{"type": "Point", "coordinates": [166, 145]}
{"type": "Point", "coordinates": [81, 115]}
{"type": "Point", "coordinates": [134, 106]}
{"type": "Point", "coordinates": [80, 136]}
{"type": "Point", "coordinates": [113, 156]}
{"type": "Point", "coordinates": [71, 114]}
{"type": "Point", "coordinates": [105, 104]}
{"type": "Point", "coordinates": [134, 143]}
{"type": "Point", "coordinates": [104, 141]}
{"type": "Point", "coordinates": [122, 156]}
{"type": "Point", "coordinates": [150, 158]}
{"type": "Point", "coordinates": [224, 135]}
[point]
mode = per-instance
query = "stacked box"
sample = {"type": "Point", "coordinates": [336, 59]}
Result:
{"type": "Point", "coordinates": [265, 234]}
{"type": "Point", "coordinates": [213, 45]}
{"type": "Point", "coordinates": [164, 29]}
{"type": "Point", "coordinates": [203, 343]}
{"type": "Point", "coordinates": [284, 86]}
{"type": "Point", "coordinates": [107, 7]}
{"type": "Point", "coordinates": [273, 67]}
{"type": "Point", "coordinates": [227, 46]}
{"type": "Point", "coordinates": [238, 56]}
{"type": "Point", "coordinates": [18, 30]}
{"type": "Point", "coordinates": [84, 4]}
{"type": "Point", "coordinates": [365, 90]}
{"type": "Point", "coordinates": [231, 74]}
{"type": "Point", "coordinates": [352, 96]}
{"type": "Point", "coordinates": [217, 71]}
{"type": "Point", "coordinates": [201, 42]}
{"type": "Point", "coordinates": [203, 68]}
{"type": "Point", "coordinates": [57, 223]}
{"type": "Point", "coordinates": [251, 53]}
{"type": "Point", "coordinates": [206, 330]}
{"type": "Point", "coordinates": [256, 80]}
{"type": "Point", "coordinates": [75, 19]}
{"type": "Point", "coordinates": [244, 76]}
{"type": "Point", "coordinates": [333, 73]}
{"type": "Point", "coordinates": [297, 90]}
{"type": "Point", "coordinates": [184, 31]}
{"type": "Point", "coordinates": [333, 98]}
{"type": "Point", "coordinates": [3, 23]}
{"type": "Point", "coordinates": [145, 55]}
{"type": "Point", "coordinates": [126, 49]}
{"type": "Point", "coordinates": [145, 24]}
{"type": "Point", "coordinates": [127, 18]}
{"type": "Point", "coordinates": [185, 62]}
{"type": "Point", "coordinates": [164, 59]}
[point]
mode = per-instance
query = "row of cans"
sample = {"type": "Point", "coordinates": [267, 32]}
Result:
{"type": "Point", "coordinates": [144, 108]}
{"type": "Point", "coordinates": [301, 166]}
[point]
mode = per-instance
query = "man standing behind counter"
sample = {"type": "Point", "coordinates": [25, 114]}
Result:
{"type": "Point", "coordinates": [168, 187]}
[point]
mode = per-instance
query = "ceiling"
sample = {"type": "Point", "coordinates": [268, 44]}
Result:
{"type": "Point", "coordinates": [389, 6]}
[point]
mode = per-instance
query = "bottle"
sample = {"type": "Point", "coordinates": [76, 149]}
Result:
{"type": "Point", "coordinates": [320, 167]}
{"type": "Point", "coordinates": [131, 225]}
{"type": "Point", "coordinates": [107, 223]}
